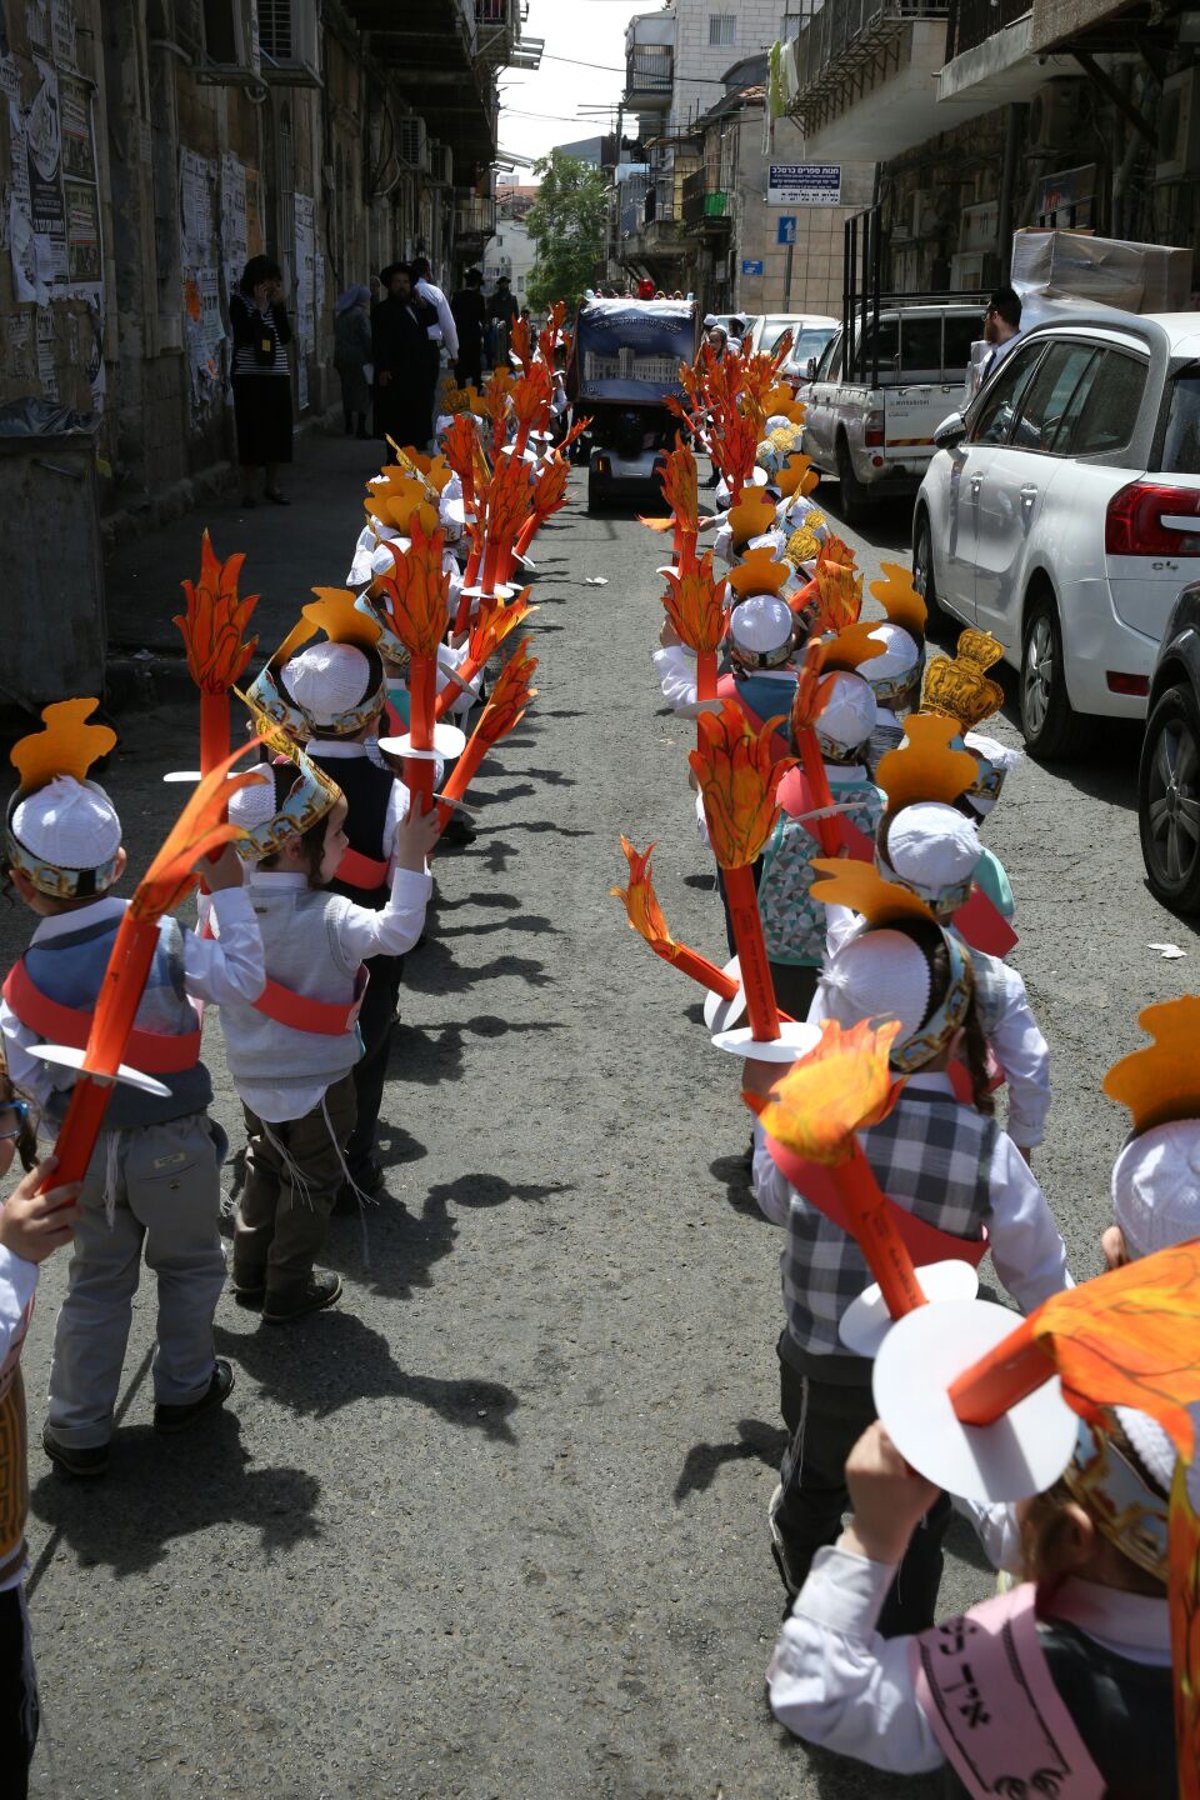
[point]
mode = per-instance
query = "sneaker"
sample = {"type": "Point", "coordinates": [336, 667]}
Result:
{"type": "Point", "coordinates": [321, 1289]}
{"type": "Point", "coordinates": [168, 1419]}
{"type": "Point", "coordinates": [75, 1461]}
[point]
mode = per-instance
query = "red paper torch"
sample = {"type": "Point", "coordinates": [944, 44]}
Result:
{"type": "Point", "coordinates": [416, 599]}
{"type": "Point", "coordinates": [217, 652]}
{"type": "Point", "coordinates": [503, 713]}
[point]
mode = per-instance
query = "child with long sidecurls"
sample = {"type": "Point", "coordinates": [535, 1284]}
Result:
{"type": "Point", "coordinates": [950, 1171]}
{"type": "Point", "coordinates": [293, 1052]}
{"type": "Point", "coordinates": [1091, 1686]}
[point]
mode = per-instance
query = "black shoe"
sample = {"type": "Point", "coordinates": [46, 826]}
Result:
{"type": "Point", "coordinates": [248, 1291]}
{"type": "Point", "coordinates": [321, 1289]}
{"type": "Point", "coordinates": [90, 1462]}
{"type": "Point", "coordinates": [458, 833]}
{"type": "Point", "coordinates": [169, 1419]}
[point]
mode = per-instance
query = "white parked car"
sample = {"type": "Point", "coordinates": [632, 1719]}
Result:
{"type": "Point", "coordinates": [1062, 514]}
{"type": "Point", "coordinates": [815, 329]}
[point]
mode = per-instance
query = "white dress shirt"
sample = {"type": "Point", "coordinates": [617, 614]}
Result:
{"type": "Point", "coordinates": [445, 331]}
{"type": "Point", "coordinates": [213, 972]}
{"type": "Point", "coordinates": [834, 1681]}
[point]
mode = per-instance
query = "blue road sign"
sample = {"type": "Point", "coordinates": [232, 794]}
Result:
{"type": "Point", "coordinates": [786, 229]}
{"type": "Point", "coordinates": [752, 265]}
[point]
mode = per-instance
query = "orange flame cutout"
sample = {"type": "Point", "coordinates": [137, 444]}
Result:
{"type": "Point", "coordinates": [521, 345]}
{"type": "Point", "coordinates": [697, 605]}
{"type": "Point", "coordinates": [497, 618]}
{"type": "Point", "coordinates": [679, 486]}
{"type": "Point", "coordinates": [550, 488]}
{"type": "Point", "coordinates": [509, 697]}
{"type": "Point", "coordinates": [1183, 1558]}
{"type": "Point", "coordinates": [739, 782]}
{"type": "Point", "coordinates": [201, 828]}
{"type": "Point", "coordinates": [416, 597]}
{"type": "Point", "coordinates": [842, 1086]}
{"type": "Point", "coordinates": [839, 596]}
{"type": "Point", "coordinates": [464, 453]}
{"type": "Point", "coordinates": [641, 902]}
{"type": "Point", "coordinates": [215, 619]}
{"type": "Point", "coordinates": [836, 550]}
{"type": "Point", "coordinates": [812, 688]}
{"type": "Point", "coordinates": [400, 500]}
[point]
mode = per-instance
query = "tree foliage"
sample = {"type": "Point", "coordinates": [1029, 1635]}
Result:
{"type": "Point", "coordinates": [566, 224]}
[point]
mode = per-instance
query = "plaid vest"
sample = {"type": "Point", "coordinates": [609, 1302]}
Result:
{"type": "Point", "coordinates": [931, 1156]}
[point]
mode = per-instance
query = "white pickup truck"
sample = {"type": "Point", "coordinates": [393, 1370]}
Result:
{"type": "Point", "coordinates": [877, 440]}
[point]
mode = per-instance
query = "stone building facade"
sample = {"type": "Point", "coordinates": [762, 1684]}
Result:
{"type": "Point", "coordinates": [151, 146]}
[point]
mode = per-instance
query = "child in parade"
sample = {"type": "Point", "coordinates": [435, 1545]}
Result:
{"type": "Point", "coordinates": [33, 1226]}
{"type": "Point", "coordinates": [995, 762]}
{"type": "Point", "coordinates": [153, 1184]}
{"type": "Point", "coordinates": [292, 1054]}
{"type": "Point", "coordinates": [950, 1171]}
{"type": "Point", "coordinates": [1093, 1686]}
{"type": "Point", "coordinates": [794, 924]}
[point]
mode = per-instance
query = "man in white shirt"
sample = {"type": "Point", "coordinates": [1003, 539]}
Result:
{"type": "Point", "coordinates": [445, 331]}
{"type": "Point", "coordinates": [1001, 329]}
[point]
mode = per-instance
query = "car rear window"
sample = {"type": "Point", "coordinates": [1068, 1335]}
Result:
{"type": "Point", "coordinates": [1181, 445]}
{"type": "Point", "coordinates": [921, 346]}
{"type": "Point", "coordinates": [961, 331]}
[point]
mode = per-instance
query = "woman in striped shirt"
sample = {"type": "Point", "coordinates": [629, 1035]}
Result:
{"type": "Point", "coordinates": [262, 381]}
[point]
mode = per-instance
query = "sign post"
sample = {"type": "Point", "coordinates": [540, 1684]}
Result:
{"type": "Point", "coordinates": [785, 233]}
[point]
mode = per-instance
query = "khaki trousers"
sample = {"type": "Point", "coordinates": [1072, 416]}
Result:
{"type": "Point", "coordinates": [293, 1173]}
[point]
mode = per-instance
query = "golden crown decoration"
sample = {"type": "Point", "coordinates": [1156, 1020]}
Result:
{"type": "Point", "coordinates": [959, 687]}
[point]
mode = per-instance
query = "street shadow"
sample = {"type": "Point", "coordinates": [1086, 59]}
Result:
{"type": "Point", "coordinates": [540, 825]}
{"type": "Point", "coordinates": [734, 1173]}
{"type": "Point", "coordinates": [755, 1442]}
{"type": "Point", "coordinates": [158, 1489]}
{"type": "Point", "coordinates": [438, 973]}
{"type": "Point", "coordinates": [423, 1056]}
{"type": "Point", "coordinates": [519, 791]}
{"type": "Point", "coordinates": [485, 898]}
{"type": "Point", "coordinates": [552, 777]}
{"type": "Point", "coordinates": [496, 855]}
{"type": "Point", "coordinates": [528, 922]}
{"type": "Point", "coordinates": [346, 1362]}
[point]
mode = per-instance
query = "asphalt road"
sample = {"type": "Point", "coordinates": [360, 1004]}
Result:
{"type": "Point", "coordinates": [496, 1525]}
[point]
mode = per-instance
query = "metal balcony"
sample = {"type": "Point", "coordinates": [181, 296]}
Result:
{"type": "Point", "coordinates": [474, 220]}
{"type": "Point", "coordinates": [846, 37]}
{"type": "Point", "coordinates": [649, 77]}
{"type": "Point", "coordinates": [706, 208]}
{"type": "Point", "coordinates": [972, 22]}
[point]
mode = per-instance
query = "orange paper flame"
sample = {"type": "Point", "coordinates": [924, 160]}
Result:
{"type": "Point", "coordinates": [839, 597]}
{"type": "Point", "coordinates": [841, 1087]}
{"type": "Point", "coordinates": [200, 830]}
{"type": "Point", "coordinates": [679, 486]}
{"type": "Point", "coordinates": [697, 605]}
{"type": "Point", "coordinates": [739, 782]}
{"type": "Point", "coordinates": [812, 688]}
{"type": "Point", "coordinates": [215, 619]}
{"type": "Point", "coordinates": [1184, 1576]}
{"type": "Point", "coordinates": [641, 902]}
{"type": "Point", "coordinates": [509, 697]}
{"type": "Point", "coordinates": [416, 596]}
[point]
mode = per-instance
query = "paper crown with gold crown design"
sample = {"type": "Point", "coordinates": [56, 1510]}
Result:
{"type": "Point", "coordinates": [307, 712]}
{"type": "Point", "coordinates": [924, 841]}
{"type": "Point", "coordinates": [959, 687]}
{"type": "Point", "coordinates": [267, 824]}
{"type": "Point", "coordinates": [759, 573]}
{"type": "Point", "coordinates": [61, 830]}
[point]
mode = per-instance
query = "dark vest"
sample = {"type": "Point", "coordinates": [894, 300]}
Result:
{"type": "Point", "coordinates": [368, 790]}
{"type": "Point", "coordinates": [1123, 1711]}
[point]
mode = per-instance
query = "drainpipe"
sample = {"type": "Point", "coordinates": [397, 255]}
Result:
{"type": "Point", "coordinates": [1008, 181]}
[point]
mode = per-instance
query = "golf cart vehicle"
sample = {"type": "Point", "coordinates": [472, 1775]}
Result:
{"type": "Point", "coordinates": [624, 362]}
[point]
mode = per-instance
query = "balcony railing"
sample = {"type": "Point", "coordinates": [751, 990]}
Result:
{"type": "Point", "coordinates": [847, 33]}
{"type": "Point", "coordinates": [650, 71]}
{"type": "Point", "coordinates": [972, 22]}
{"type": "Point", "coordinates": [705, 207]}
{"type": "Point", "coordinates": [475, 217]}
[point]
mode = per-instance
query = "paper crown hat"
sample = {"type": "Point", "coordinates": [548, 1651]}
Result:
{"type": "Point", "coordinates": [900, 599]}
{"type": "Point", "coordinates": [926, 766]}
{"type": "Point", "coordinates": [759, 573]}
{"type": "Point", "coordinates": [885, 971]}
{"type": "Point", "coordinates": [762, 629]}
{"type": "Point", "coordinates": [400, 494]}
{"type": "Point", "coordinates": [1161, 1081]}
{"type": "Point", "coordinates": [959, 687]}
{"type": "Point", "coordinates": [333, 612]}
{"type": "Point", "coordinates": [847, 717]}
{"type": "Point", "coordinates": [793, 474]}
{"type": "Point", "coordinates": [267, 824]}
{"type": "Point", "coordinates": [61, 830]}
{"type": "Point", "coordinates": [924, 841]}
{"type": "Point", "coordinates": [753, 515]}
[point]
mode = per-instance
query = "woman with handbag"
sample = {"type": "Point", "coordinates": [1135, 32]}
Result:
{"type": "Point", "coordinates": [262, 381]}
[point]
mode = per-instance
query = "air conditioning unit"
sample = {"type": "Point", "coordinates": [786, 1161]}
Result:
{"type": "Point", "coordinates": [966, 272]}
{"type": "Point", "coordinates": [412, 145]}
{"type": "Point", "coordinates": [289, 36]}
{"type": "Point", "coordinates": [1178, 128]}
{"type": "Point", "coordinates": [1054, 114]}
{"type": "Point", "coordinates": [231, 52]}
{"type": "Point", "coordinates": [441, 163]}
{"type": "Point", "coordinates": [979, 226]}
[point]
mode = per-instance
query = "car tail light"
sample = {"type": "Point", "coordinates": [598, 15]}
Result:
{"type": "Point", "coordinates": [1127, 684]}
{"type": "Point", "coordinates": [1142, 521]}
{"type": "Point", "coordinates": [874, 434]}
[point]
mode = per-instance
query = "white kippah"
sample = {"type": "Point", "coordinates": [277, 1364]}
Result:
{"type": "Point", "coordinates": [1156, 1187]}
{"type": "Point", "coordinates": [254, 805]}
{"type": "Point", "coordinates": [878, 974]}
{"type": "Point", "coordinates": [1001, 756]}
{"type": "Point", "coordinates": [762, 624]}
{"type": "Point", "coordinates": [68, 824]}
{"type": "Point", "coordinates": [849, 714]}
{"type": "Point", "coordinates": [1155, 1451]}
{"type": "Point", "coordinates": [932, 845]}
{"type": "Point", "coordinates": [900, 653]}
{"type": "Point", "coordinates": [327, 679]}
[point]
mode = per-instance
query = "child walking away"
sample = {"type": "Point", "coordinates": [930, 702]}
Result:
{"type": "Point", "coordinates": [153, 1184]}
{"type": "Point", "coordinates": [292, 1053]}
{"type": "Point", "coordinates": [1075, 1677]}
{"type": "Point", "coordinates": [949, 1171]}
{"type": "Point", "coordinates": [793, 922]}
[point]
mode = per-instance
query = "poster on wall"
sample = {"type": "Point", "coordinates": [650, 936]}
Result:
{"type": "Point", "coordinates": [84, 263]}
{"type": "Point", "coordinates": [233, 222]}
{"type": "Point", "coordinates": [28, 283]}
{"type": "Point", "coordinates": [804, 184]}
{"type": "Point", "coordinates": [62, 26]}
{"type": "Point", "coordinates": [43, 140]}
{"type": "Point", "coordinates": [204, 330]}
{"type": "Point", "coordinates": [75, 119]}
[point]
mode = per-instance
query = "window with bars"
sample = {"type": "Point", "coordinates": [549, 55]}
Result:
{"type": "Point", "coordinates": [722, 30]}
{"type": "Point", "coordinates": [275, 29]}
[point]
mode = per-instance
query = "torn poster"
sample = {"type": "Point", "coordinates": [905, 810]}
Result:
{"type": "Point", "coordinates": [44, 146]}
